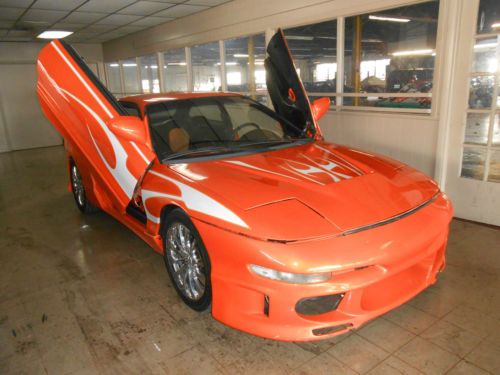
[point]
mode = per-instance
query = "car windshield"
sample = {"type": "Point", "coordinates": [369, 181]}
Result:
{"type": "Point", "coordinates": [216, 125]}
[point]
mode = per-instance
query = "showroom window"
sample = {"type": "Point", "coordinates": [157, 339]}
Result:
{"type": "Point", "coordinates": [314, 50]}
{"type": "Point", "coordinates": [205, 67]}
{"type": "Point", "coordinates": [113, 79]}
{"type": "Point", "coordinates": [130, 77]}
{"type": "Point", "coordinates": [175, 70]}
{"type": "Point", "coordinates": [244, 61]}
{"type": "Point", "coordinates": [481, 146]}
{"type": "Point", "coordinates": [389, 58]}
{"type": "Point", "coordinates": [149, 74]}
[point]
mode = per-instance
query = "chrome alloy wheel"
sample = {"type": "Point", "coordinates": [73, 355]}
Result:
{"type": "Point", "coordinates": [186, 261]}
{"type": "Point", "coordinates": [77, 184]}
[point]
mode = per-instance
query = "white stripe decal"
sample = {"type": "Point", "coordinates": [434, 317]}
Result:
{"type": "Point", "coordinates": [197, 201]}
{"type": "Point", "coordinates": [344, 162]}
{"type": "Point", "coordinates": [108, 112]}
{"type": "Point", "coordinates": [237, 162]}
{"type": "Point", "coordinates": [120, 172]}
{"type": "Point", "coordinates": [140, 152]}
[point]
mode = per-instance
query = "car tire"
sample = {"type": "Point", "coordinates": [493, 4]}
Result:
{"type": "Point", "coordinates": [187, 260]}
{"type": "Point", "coordinates": [78, 190]}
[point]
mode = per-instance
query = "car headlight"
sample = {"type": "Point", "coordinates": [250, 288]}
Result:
{"type": "Point", "coordinates": [288, 277]}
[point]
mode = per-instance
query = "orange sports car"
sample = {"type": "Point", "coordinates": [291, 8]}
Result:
{"type": "Point", "coordinates": [282, 234]}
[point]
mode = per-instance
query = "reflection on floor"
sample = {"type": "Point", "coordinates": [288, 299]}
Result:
{"type": "Point", "coordinates": [83, 295]}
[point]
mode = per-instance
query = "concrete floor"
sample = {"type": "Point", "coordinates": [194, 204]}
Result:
{"type": "Point", "coordinates": [83, 295]}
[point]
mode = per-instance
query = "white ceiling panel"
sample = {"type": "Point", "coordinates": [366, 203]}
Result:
{"type": "Point", "coordinates": [118, 19]}
{"type": "Point", "coordinates": [10, 14]}
{"type": "Point", "coordinates": [105, 6]}
{"type": "Point", "coordinates": [17, 38]}
{"type": "Point", "coordinates": [84, 17]}
{"type": "Point", "coordinates": [68, 26]}
{"type": "Point", "coordinates": [151, 21]}
{"type": "Point", "coordinates": [210, 3]}
{"type": "Point", "coordinates": [91, 20]}
{"type": "Point", "coordinates": [6, 24]}
{"type": "Point", "coordinates": [129, 29]}
{"type": "Point", "coordinates": [57, 4]}
{"type": "Point", "coordinates": [145, 8]}
{"type": "Point", "coordinates": [168, 1]}
{"type": "Point", "coordinates": [15, 3]}
{"type": "Point", "coordinates": [99, 28]}
{"type": "Point", "coordinates": [181, 10]}
{"type": "Point", "coordinates": [43, 15]}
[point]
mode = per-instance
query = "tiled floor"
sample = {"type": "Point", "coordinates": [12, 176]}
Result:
{"type": "Point", "coordinates": [83, 295]}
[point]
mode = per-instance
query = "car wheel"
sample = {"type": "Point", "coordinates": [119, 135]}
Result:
{"type": "Point", "coordinates": [187, 261]}
{"type": "Point", "coordinates": [79, 191]}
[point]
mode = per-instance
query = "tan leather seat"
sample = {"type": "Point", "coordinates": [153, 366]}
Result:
{"type": "Point", "coordinates": [178, 140]}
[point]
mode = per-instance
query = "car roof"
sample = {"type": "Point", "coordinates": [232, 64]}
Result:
{"type": "Point", "coordinates": [145, 99]}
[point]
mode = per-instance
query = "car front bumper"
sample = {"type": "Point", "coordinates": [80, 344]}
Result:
{"type": "Point", "coordinates": [375, 270]}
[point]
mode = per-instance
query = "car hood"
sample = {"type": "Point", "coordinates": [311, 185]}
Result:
{"type": "Point", "coordinates": [311, 190]}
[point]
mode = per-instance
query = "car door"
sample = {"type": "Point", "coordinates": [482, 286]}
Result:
{"type": "Point", "coordinates": [96, 128]}
{"type": "Point", "coordinates": [285, 88]}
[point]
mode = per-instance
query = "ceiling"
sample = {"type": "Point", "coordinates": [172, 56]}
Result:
{"type": "Point", "coordinates": [92, 21]}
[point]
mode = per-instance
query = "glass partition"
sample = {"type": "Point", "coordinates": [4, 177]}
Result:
{"type": "Point", "coordinates": [149, 74]}
{"type": "Point", "coordinates": [205, 61]}
{"type": "Point", "coordinates": [391, 51]}
{"type": "Point", "coordinates": [175, 70]}
{"type": "Point", "coordinates": [245, 71]}
{"type": "Point", "coordinates": [130, 77]}
{"type": "Point", "coordinates": [314, 50]}
{"type": "Point", "coordinates": [113, 78]}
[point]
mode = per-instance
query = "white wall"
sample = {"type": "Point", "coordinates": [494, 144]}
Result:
{"type": "Point", "coordinates": [22, 124]}
{"type": "Point", "coordinates": [409, 138]}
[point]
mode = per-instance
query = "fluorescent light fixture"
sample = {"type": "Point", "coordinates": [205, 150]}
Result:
{"type": "Point", "coordinates": [54, 34]}
{"type": "Point", "coordinates": [389, 19]}
{"type": "Point", "coordinates": [495, 25]}
{"type": "Point", "coordinates": [114, 65]}
{"type": "Point", "coordinates": [240, 55]}
{"type": "Point", "coordinates": [229, 63]}
{"type": "Point", "coordinates": [154, 66]}
{"type": "Point", "coordinates": [485, 45]}
{"type": "Point", "coordinates": [299, 37]}
{"type": "Point", "coordinates": [128, 65]}
{"type": "Point", "coordinates": [413, 52]}
{"type": "Point", "coordinates": [177, 63]}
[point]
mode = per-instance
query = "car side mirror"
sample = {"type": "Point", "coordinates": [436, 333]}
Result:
{"type": "Point", "coordinates": [130, 128]}
{"type": "Point", "coordinates": [319, 107]}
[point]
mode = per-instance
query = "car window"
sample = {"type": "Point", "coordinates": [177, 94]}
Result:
{"type": "Point", "coordinates": [218, 122]}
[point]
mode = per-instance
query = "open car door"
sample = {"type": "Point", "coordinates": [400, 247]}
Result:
{"type": "Point", "coordinates": [110, 147]}
{"type": "Point", "coordinates": [286, 90]}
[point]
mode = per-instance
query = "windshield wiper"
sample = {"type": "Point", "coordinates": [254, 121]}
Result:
{"type": "Point", "coordinates": [199, 152]}
{"type": "Point", "coordinates": [267, 143]}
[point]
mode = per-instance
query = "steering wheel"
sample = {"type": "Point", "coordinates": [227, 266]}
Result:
{"type": "Point", "coordinates": [245, 125]}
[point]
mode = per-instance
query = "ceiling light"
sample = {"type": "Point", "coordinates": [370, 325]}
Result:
{"type": "Point", "coordinates": [485, 45]}
{"type": "Point", "coordinates": [114, 65]}
{"type": "Point", "coordinates": [129, 64]}
{"type": "Point", "coordinates": [413, 52]}
{"type": "Point", "coordinates": [495, 25]}
{"type": "Point", "coordinates": [240, 55]}
{"type": "Point", "coordinates": [54, 34]}
{"type": "Point", "coordinates": [177, 63]}
{"type": "Point", "coordinates": [299, 37]}
{"type": "Point", "coordinates": [390, 19]}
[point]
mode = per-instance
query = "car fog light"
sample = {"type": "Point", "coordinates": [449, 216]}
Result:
{"type": "Point", "coordinates": [288, 277]}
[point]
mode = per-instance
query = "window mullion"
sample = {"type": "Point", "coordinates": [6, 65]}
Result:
{"type": "Point", "coordinates": [339, 81]}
